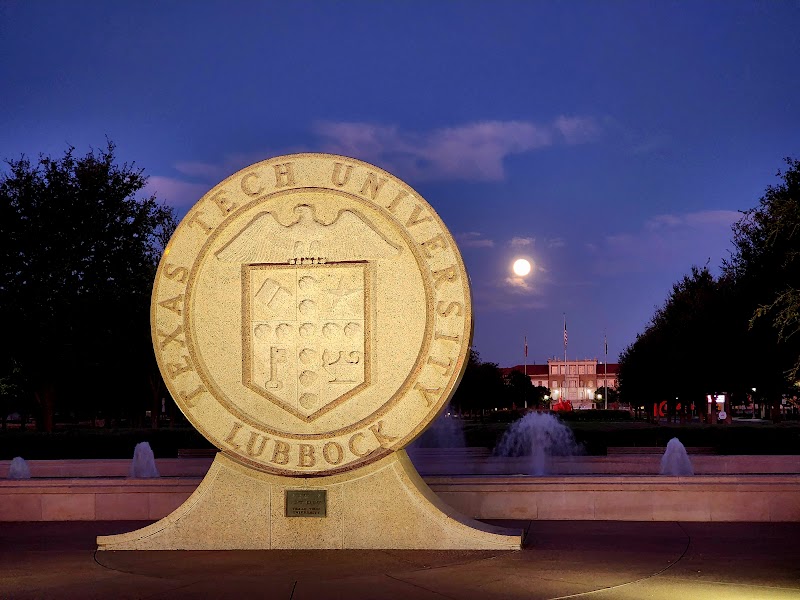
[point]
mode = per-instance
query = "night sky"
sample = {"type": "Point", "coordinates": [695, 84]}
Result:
{"type": "Point", "coordinates": [613, 143]}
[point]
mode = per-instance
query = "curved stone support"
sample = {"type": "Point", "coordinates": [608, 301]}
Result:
{"type": "Point", "coordinates": [385, 504]}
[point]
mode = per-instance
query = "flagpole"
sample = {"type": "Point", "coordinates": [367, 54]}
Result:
{"type": "Point", "coordinates": [566, 369]}
{"type": "Point", "coordinates": [605, 369]}
{"type": "Point", "coordinates": [525, 370]}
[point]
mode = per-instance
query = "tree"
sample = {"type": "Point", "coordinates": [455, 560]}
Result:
{"type": "Point", "coordinates": [541, 397]}
{"type": "Point", "coordinates": [691, 328]}
{"type": "Point", "coordinates": [519, 389]}
{"type": "Point", "coordinates": [481, 388]}
{"type": "Point", "coordinates": [750, 316]}
{"type": "Point", "coordinates": [766, 263]}
{"type": "Point", "coordinates": [78, 252]}
{"type": "Point", "coordinates": [613, 395]}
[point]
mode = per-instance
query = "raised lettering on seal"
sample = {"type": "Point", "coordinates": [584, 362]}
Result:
{"type": "Point", "coordinates": [174, 304]}
{"type": "Point", "coordinates": [189, 399]}
{"type": "Point", "coordinates": [449, 274]}
{"type": "Point", "coordinates": [384, 439]}
{"type": "Point", "coordinates": [333, 453]}
{"type": "Point", "coordinates": [280, 454]}
{"type": "Point", "coordinates": [437, 242]}
{"type": "Point", "coordinates": [250, 188]}
{"type": "Point", "coordinates": [172, 337]}
{"type": "Point", "coordinates": [446, 309]}
{"type": "Point", "coordinates": [176, 369]}
{"type": "Point", "coordinates": [173, 272]}
{"type": "Point", "coordinates": [372, 185]}
{"type": "Point", "coordinates": [337, 177]}
{"type": "Point", "coordinates": [306, 456]}
{"type": "Point", "coordinates": [353, 444]}
{"type": "Point", "coordinates": [429, 394]}
{"type": "Point", "coordinates": [284, 175]}
{"type": "Point", "coordinates": [251, 444]}
{"type": "Point", "coordinates": [234, 430]}
{"type": "Point", "coordinates": [225, 205]}
{"type": "Point", "coordinates": [196, 220]}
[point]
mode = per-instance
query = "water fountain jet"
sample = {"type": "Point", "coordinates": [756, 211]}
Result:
{"type": "Point", "coordinates": [18, 469]}
{"type": "Point", "coordinates": [540, 436]}
{"type": "Point", "coordinates": [143, 465]}
{"type": "Point", "coordinates": [675, 460]}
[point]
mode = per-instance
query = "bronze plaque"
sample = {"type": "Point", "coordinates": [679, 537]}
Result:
{"type": "Point", "coordinates": [306, 503]}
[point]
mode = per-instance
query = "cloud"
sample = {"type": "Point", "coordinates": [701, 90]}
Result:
{"type": "Point", "coordinates": [514, 297]}
{"type": "Point", "coordinates": [667, 242]}
{"type": "Point", "coordinates": [556, 242]}
{"type": "Point", "coordinates": [521, 242]}
{"type": "Point", "coordinates": [576, 130]}
{"type": "Point", "coordinates": [175, 192]}
{"type": "Point", "coordinates": [518, 283]}
{"type": "Point", "coordinates": [473, 239]}
{"type": "Point", "coordinates": [472, 151]}
{"type": "Point", "coordinates": [467, 152]}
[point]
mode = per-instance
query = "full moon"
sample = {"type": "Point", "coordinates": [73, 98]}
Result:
{"type": "Point", "coordinates": [521, 267]}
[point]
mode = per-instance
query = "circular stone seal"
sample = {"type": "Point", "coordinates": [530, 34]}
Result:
{"type": "Point", "coordinates": [311, 314]}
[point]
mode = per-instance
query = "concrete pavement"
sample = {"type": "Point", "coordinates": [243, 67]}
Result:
{"type": "Point", "coordinates": [562, 559]}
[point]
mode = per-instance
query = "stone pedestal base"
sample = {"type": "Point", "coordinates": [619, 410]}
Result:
{"type": "Point", "coordinates": [383, 505]}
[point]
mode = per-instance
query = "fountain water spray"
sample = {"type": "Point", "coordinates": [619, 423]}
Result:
{"type": "Point", "coordinates": [540, 436]}
{"type": "Point", "coordinates": [675, 460]}
{"type": "Point", "coordinates": [18, 469]}
{"type": "Point", "coordinates": [446, 431]}
{"type": "Point", "coordinates": [144, 463]}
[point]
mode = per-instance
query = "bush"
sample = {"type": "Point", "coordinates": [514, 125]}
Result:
{"type": "Point", "coordinates": [595, 415]}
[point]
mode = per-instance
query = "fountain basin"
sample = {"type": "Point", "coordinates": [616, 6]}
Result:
{"type": "Point", "coordinates": [100, 490]}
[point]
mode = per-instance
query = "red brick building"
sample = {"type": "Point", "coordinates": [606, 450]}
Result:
{"type": "Point", "coordinates": [573, 380]}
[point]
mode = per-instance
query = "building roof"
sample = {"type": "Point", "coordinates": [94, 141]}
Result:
{"type": "Point", "coordinates": [529, 369]}
{"type": "Point", "coordinates": [541, 370]}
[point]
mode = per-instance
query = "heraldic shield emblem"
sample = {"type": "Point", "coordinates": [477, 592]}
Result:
{"type": "Point", "coordinates": [307, 307]}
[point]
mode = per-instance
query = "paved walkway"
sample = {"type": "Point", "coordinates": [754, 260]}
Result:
{"type": "Point", "coordinates": [593, 560]}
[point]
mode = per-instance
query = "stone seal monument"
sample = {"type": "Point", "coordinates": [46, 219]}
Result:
{"type": "Point", "coordinates": [311, 315]}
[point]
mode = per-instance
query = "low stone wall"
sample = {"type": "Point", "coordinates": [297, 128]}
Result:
{"type": "Point", "coordinates": [102, 499]}
{"type": "Point", "coordinates": [748, 498]}
{"type": "Point", "coordinates": [455, 462]}
{"type": "Point", "coordinates": [760, 498]}
{"type": "Point", "coordinates": [623, 487]}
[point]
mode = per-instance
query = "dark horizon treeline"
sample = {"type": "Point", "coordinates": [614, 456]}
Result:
{"type": "Point", "coordinates": [732, 333]}
{"type": "Point", "coordinates": [79, 246]}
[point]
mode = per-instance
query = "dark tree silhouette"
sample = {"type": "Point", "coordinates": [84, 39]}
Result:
{"type": "Point", "coordinates": [78, 250]}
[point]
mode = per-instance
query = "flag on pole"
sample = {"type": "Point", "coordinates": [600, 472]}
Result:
{"type": "Point", "coordinates": [526, 346]}
{"type": "Point", "coordinates": [605, 340]}
{"type": "Point", "coordinates": [565, 333]}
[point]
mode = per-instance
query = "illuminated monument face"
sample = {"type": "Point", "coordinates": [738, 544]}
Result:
{"type": "Point", "coordinates": [311, 314]}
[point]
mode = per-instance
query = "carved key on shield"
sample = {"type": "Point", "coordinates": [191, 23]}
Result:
{"type": "Point", "coordinates": [276, 356]}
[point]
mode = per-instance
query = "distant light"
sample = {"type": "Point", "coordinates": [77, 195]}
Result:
{"type": "Point", "coordinates": [521, 267]}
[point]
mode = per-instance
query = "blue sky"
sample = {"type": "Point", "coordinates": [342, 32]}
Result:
{"type": "Point", "coordinates": [611, 142]}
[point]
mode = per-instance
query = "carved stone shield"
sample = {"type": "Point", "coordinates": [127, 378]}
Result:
{"type": "Point", "coordinates": [306, 345]}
